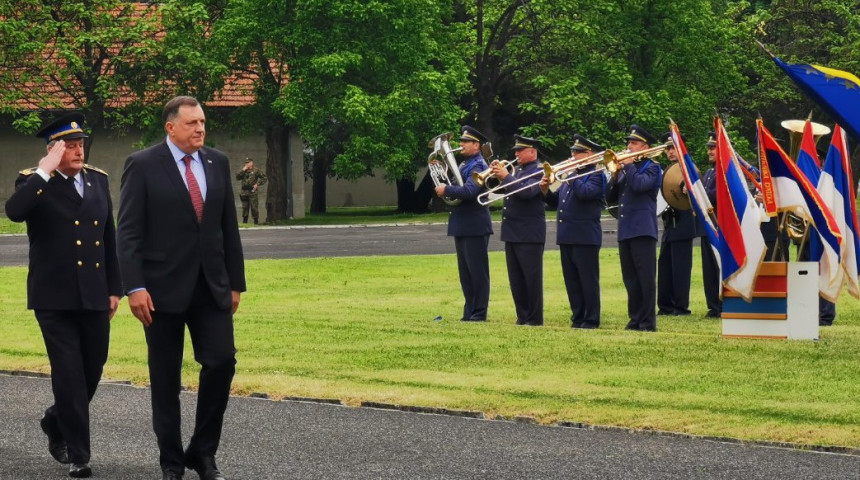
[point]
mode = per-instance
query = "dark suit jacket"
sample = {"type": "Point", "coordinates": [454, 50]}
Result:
{"type": "Point", "coordinates": [524, 213]}
{"type": "Point", "coordinates": [580, 203]}
{"type": "Point", "coordinates": [162, 247]}
{"type": "Point", "coordinates": [73, 263]}
{"type": "Point", "coordinates": [635, 190]}
{"type": "Point", "coordinates": [469, 218]}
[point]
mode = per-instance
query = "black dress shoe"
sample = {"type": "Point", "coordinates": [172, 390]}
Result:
{"type": "Point", "coordinates": [713, 314]}
{"type": "Point", "coordinates": [80, 470]}
{"type": "Point", "coordinates": [204, 466]}
{"type": "Point", "coordinates": [171, 475]}
{"type": "Point", "coordinates": [56, 443]}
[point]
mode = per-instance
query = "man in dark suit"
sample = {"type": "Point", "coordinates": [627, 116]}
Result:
{"type": "Point", "coordinates": [579, 235]}
{"type": "Point", "coordinates": [710, 268]}
{"type": "Point", "coordinates": [471, 227]}
{"type": "Point", "coordinates": [181, 263]}
{"type": "Point", "coordinates": [634, 188]}
{"type": "Point", "coordinates": [524, 230]}
{"type": "Point", "coordinates": [675, 261]}
{"type": "Point", "coordinates": [73, 285]}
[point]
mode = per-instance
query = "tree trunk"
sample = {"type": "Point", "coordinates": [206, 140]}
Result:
{"type": "Point", "coordinates": [424, 196]}
{"type": "Point", "coordinates": [405, 195]}
{"type": "Point", "coordinates": [320, 175]}
{"type": "Point", "coordinates": [277, 194]}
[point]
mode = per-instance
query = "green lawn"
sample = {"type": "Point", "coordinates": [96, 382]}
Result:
{"type": "Point", "coordinates": [362, 329]}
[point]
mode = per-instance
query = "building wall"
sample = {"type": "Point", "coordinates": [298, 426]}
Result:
{"type": "Point", "coordinates": [109, 152]}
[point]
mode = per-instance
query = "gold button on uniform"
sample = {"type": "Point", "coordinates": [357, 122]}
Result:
{"type": "Point", "coordinates": [98, 243]}
{"type": "Point", "coordinates": [80, 263]}
{"type": "Point", "coordinates": [97, 265]}
{"type": "Point", "coordinates": [78, 242]}
{"type": "Point", "coordinates": [96, 223]}
{"type": "Point", "coordinates": [77, 222]}
{"type": "Point", "coordinates": [39, 191]}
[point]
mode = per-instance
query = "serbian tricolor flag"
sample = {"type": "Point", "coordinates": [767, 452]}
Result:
{"type": "Point", "coordinates": [696, 190]}
{"type": "Point", "coordinates": [742, 249]}
{"type": "Point", "coordinates": [836, 189]}
{"type": "Point", "coordinates": [793, 192]}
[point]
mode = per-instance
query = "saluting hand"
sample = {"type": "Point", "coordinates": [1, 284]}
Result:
{"type": "Point", "coordinates": [51, 161]}
{"type": "Point", "coordinates": [141, 305]}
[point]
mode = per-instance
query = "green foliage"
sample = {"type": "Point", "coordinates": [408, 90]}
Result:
{"type": "Point", "coordinates": [370, 83]}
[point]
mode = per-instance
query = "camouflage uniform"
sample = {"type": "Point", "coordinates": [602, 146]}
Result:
{"type": "Point", "coordinates": [247, 194]}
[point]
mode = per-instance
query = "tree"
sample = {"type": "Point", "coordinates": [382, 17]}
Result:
{"type": "Point", "coordinates": [75, 54]}
{"type": "Point", "coordinates": [370, 84]}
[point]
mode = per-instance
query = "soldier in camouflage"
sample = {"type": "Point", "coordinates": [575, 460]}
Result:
{"type": "Point", "coordinates": [251, 179]}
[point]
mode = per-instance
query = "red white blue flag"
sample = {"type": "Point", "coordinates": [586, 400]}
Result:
{"type": "Point", "coordinates": [793, 192]}
{"type": "Point", "coordinates": [742, 249]}
{"type": "Point", "coordinates": [836, 189]}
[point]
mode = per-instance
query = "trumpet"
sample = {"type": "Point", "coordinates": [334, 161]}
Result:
{"type": "Point", "coordinates": [485, 178]}
{"type": "Point", "coordinates": [515, 186]}
{"type": "Point", "coordinates": [569, 170]}
{"type": "Point", "coordinates": [617, 160]}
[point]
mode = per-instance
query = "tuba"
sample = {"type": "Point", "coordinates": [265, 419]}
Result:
{"type": "Point", "coordinates": [443, 166]}
{"type": "Point", "coordinates": [797, 227]}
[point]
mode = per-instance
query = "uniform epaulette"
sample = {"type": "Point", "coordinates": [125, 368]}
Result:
{"type": "Point", "coordinates": [28, 171]}
{"type": "Point", "coordinates": [95, 169]}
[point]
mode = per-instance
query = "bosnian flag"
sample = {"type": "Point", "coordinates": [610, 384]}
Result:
{"type": "Point", "coordinates": [836, 189]}
{"type": "Point", "coordinates": [742, 249]}
{"type": "Point", "coordinates": [696, 190]}
{"type": "Point", "coordinates": [793, 192]}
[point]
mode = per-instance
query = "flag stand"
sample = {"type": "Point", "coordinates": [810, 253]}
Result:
{"type": "Point", "coordinates": [784, 304]}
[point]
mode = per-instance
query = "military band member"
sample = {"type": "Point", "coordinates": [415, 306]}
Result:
{"type": "Point", "coordinates": [524, 232]}
{"type": "Point", "coordinates": [579, 234]}
{"type": "Point", "coordinates": [251, 179]}
{"type": "Point", "coordinates": [710, 268]}
{"type": "Point", "coordinates": [675, 261]}
{"type": "Point", "coordinates": [635, 188]}
{"type": "Point", "coordinates": [73, 284]}
{"type": "Point", "coordinates": [471, 227]}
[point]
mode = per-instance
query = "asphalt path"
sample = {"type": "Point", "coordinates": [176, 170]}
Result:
{"type": "Point", "coordinates": [336, 241]}
{"type": "Point", "coordinates": [276, 440]}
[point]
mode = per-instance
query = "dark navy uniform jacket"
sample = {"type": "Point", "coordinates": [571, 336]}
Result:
{"type": "Point", "coordinates": [710, 183]}
{"type": "Point", "coordinates": [524, 213]}
{"type": "Point", "coordinates": [73, 262]}
{"type": "Point", "coordinates": [580, 203]}
{"type": "Point", "coordinates": [635, 190]}
{"type": "Point", "coordinates": [469, 218]}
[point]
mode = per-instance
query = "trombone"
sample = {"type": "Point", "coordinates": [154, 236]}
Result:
{"type": "Point", "coordinates": [568, 170]}
{"type": "Point", "coordinates": [615, 161]}
{"type": "Point", "coordinates": [495, 193]}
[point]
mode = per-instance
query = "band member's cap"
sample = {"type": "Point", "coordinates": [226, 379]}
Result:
{"type": "Point", "coordinates": [470, 134]}
{"type": "Point", "coordinates": [248, 159]}
{"type": "Point", "coordinates": [521, 142]}
{"type": "Point", "coordinates": [640, 134]}
{"type": "Point", "coordinates": [712, 139]}
{"type": "Point", "coordinates": [66, 127]}
{"type": "Point", "coordinates": [582, 144]}
{"type": "Point", "coordinates": [667, 137]}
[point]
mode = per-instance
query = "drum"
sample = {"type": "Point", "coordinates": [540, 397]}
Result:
{"type": "Point", "coordinates": [672, 190]}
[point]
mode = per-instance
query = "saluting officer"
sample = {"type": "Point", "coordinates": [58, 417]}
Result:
{"type": "Point", "coordinates": [675, 261]}
{"type": "Point", "coordinates": [73, 285]}
{"type": "Point", "coordinates": [524, 231]}
{"type": "Point", "coordinates": [710, 268]}
{"type": "Point", "coordinates": [634, 187]}
{"type": "Point", "coordinates": [251, 179]}
{"type": "Point", "coordinates": [471, 227]}
{"type": "Point", "coordinates": [579, 235]}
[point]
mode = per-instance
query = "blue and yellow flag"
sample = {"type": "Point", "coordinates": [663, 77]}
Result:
{"type": "Point", "coordinates": [836, 91]}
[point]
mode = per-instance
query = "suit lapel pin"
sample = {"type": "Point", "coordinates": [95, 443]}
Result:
{"type": "Point", "coordinates": [210, 161]}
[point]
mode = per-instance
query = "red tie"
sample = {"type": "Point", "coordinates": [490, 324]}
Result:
{"type": "Point", "coordinates": [193, 189]}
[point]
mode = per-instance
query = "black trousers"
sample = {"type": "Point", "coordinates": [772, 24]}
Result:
{"type": "Point", "coordinates": [639, 271]}
{"type": "Point", "coordinates": [674, 268]}
{"type": "Point", "coordinates": [474, 266]}
{"type": "Point", "coordinates": [580, 265]}
{"type": "Point", "coordinates": [711, 280]}
{"type": "Point", "coordinates": [211, 331]}
{"type": "Point", "coordinates": [525, 274]}
{"type": "Point", "coordinates": [77, 346]}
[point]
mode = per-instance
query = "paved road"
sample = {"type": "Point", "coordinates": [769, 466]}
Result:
{"type": "Point", "coordinates": [339, 241]}
{"type": "Point", "coordinates": [297, 440]}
